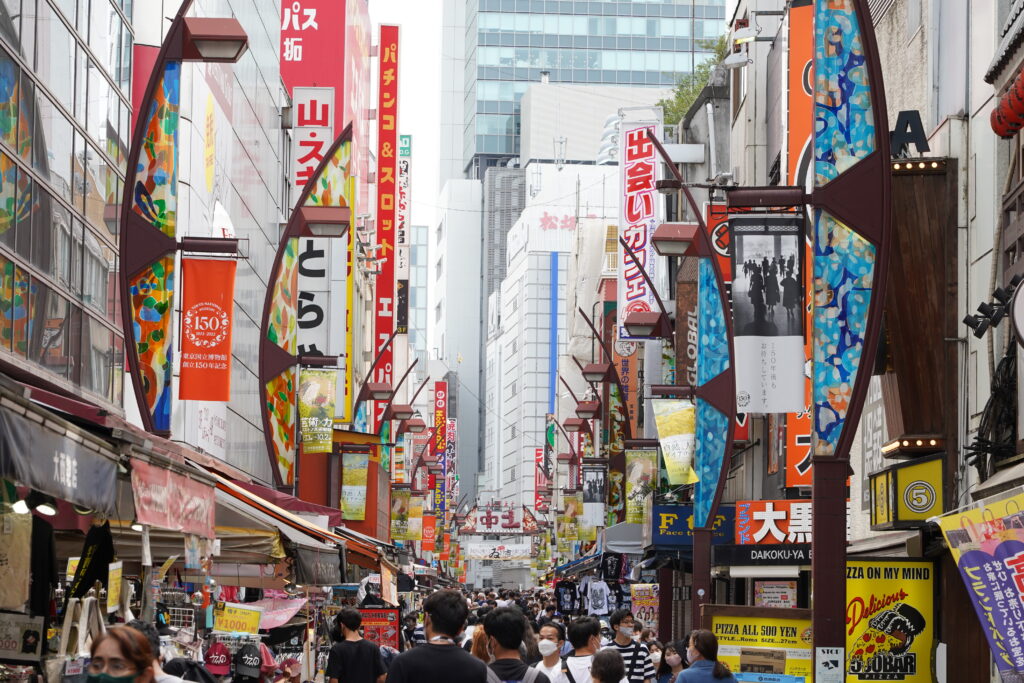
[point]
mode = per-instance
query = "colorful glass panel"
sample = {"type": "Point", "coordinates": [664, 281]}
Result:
{"type": "Point", "coordinates": [844, 120]}
{"type": "Point", "coordinates": [335, 186]}
{"type": "Point", "coordinates": [9, 101]}
{"type": "Point", "coordinates": [8, 194]}
{"type": "Point", "coordinates": [280, 405]}
{"type": "Point", "coordinates": [152, 303]}
{"type": "Point", "coordinates": [713, 350]}
{"type": "Point", "coordinates": [844, 267]}
{"type": "Point", "coordinates": [156, 182]}
{"type": "Point", "coordinates": [281, 327]}
{"type": "Point", "coordinates": [711, 431]}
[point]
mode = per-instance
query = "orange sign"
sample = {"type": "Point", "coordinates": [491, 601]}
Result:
{"type": "Point", "coordinates": [206, 312]}
{"type": "Point", "coordinates": [429, 531]}
{"type": "Point", "coordinates": [798, 166]}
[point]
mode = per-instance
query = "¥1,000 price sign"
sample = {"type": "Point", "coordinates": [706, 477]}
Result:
{"type": "Point", "coordinates": [233, 618]}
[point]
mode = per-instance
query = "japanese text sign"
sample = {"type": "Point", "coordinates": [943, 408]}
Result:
{"type": "Point", "coordinates": [440, 441]}
{"type": "Point", "coordinates": [232, 618]}
{"type": "Point", "coordinates": [387, 190]}
{"type": "Point", "coordinates": [312, 49]}
{"type": "Point", "coordinates": [169, 500]}
{"type": "Point", "coordinates": [638, 217]}
{"type": "Point", "coordinates": [987, 542]}
{"type": "Point", "coordinates": [764, 522]}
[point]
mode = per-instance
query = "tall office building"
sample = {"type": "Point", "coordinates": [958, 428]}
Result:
{"type": "Point", "coordinates": [510, 44]}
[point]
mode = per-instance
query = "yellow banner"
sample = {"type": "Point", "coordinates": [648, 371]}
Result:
{"type": "Point", "coordinates": [401, 502]}
{"type": "Point", "coordinates": [676, 421]}
{"type": "Point", "coordinates": [354, 475]}
{"type": "Point", "coordinates": [748, 642]}
{"type": "Point", "coordinates": [890, 627]}
{"type": "Point", "coordinates": [233, 618]}
{"type": "Point", "coordinates": [113, 586]}
{"type": "Point", "coordinates": [641, 469]}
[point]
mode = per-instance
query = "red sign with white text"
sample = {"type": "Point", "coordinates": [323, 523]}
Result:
{"type": "Point", "coordinates": [387, 190]}
{"type": "Point", "coordinates": [313, 48]}
{"type": "Point", "coordinates": [207, 309]}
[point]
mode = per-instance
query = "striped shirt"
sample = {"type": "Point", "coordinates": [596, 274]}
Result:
{"type": "Point", "coordinates": [637, 659]}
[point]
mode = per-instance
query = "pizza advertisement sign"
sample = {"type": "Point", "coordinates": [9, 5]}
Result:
{"type": "Point", "coordinates": [890, 620]}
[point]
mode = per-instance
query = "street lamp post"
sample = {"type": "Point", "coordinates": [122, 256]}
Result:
{"type": "Point", "coordinates": [149, 206]}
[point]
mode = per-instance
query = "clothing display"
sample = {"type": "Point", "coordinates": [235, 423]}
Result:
{"type": "Point", "coordinates": [598, 595]}
{"type": "Point", "coordinates": [567, 594]}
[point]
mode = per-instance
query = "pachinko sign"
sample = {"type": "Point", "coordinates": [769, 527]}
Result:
{"type": "Point", "coordinates": [987, 542]}
{"type": "Point", "coordinates": [890, 626]}
{"type": "Point", "coordinates": [638, 217]}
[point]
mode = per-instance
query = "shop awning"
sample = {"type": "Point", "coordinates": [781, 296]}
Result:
{"type": "Point", "coordinates": [292, 504]}
{"type": "Point", "coordinates": [46, 452]}
{"type": "Point", "coordinates": [624, 538]}
{"type": "Point", "coordinates": [277, 611]}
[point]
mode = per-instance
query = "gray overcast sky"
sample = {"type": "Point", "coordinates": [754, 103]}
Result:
{"type": "Point", "coordinates": [419, 92]}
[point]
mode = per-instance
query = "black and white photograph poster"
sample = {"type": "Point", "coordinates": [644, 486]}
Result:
{"type": "Point", "coordinates": [768, 316]}
{"type": "Point", "coordinates": [595, 492]}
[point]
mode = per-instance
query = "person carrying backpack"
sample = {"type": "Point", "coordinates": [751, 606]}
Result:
{"type": "Point", "coordinates": [505, 628]}
{"type": "Point", "coordinates": [637, 658]}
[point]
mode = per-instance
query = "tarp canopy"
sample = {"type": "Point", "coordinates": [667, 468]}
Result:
{"type": "Point", "coordinates": [293, 504]}
{"type": "Point", "coordinates": [624, 538]}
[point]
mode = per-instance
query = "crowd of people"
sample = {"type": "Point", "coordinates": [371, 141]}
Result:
{"type": "Point", "coordinates": [514, 637]}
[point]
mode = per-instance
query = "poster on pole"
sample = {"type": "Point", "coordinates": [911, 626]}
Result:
{"type": "Point", "coordinates": [676, 422]}
{"type": "Point", "coordinates": [641, 470]}
{"type": "Point", "coordinates": [986, 540]}
{"type": "Point", "coordinates": [354, 476]}
{"type": "Point", "coordinates": [595, 485]}
{"type": "Point", "coordinates": [416, 504]}
{"type": "Point", "coordinates": [317, 389]}
{"type": "Point", "coordinates": [890, 620]}
{"type": "Point", "coordinates": [768, 317]}
{"type": "Point", "coordinates": [401, 504]}
{"type": "Point", "coordinates": [638, 217]}
{"type": "Point", "coordinates": [207, 308]}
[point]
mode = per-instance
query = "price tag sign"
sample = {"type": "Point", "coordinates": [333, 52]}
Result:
{"type": "Point", "coordinates": [234, 618]}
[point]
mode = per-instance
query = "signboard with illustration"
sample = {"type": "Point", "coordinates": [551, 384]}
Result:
{"type": "Point", "coordinates": [890, 625]}
{"type": "Point", "coordinates": [987, 541]}
{"type": "Point", "coordinates": [763, 640]}
{"type": "Point", "coordinates": [380, 626]}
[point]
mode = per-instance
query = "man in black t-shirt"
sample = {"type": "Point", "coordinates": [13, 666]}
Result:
{"type": "Point", "coordinates": [440, 660]}
{"type": "Point", "coordinates": [505, 628]}
{"type": "Point", "coordinates": [352, 659]}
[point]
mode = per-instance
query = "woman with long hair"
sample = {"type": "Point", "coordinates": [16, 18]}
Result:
{"type": "Point", "coordinates": [702, 656]}
{"type": "Point", "coordinates": [479, 647]}
{"type": "Point", "coordinates": [672, 661]}
{"type": "Point", "coordinates": [121, 655]}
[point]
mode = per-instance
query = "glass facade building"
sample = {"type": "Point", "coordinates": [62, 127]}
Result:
{"type": "Point", "coordinates": [509, 43]}
{"type": "Point", "coordinates": [65, 115]}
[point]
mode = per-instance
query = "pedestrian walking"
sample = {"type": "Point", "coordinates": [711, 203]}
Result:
{"type": "Point", "coordinates": [440, 660]}
{"type": "Point", "coordinates": [552, 638]}
{"type": "Point", "coordinates": [505, 628]}
{"type": "Point", "coordinates": [672, 661]}
{"type": "Point", "coordinates": [353, 659]}
{"type": "Point", "coordinates": [702, 655]}
{"type": "Point", "coordinates": [585, 638]}
{"type": "Point", "coordinates": [637, 658]}
{"type": "Point", "coordinates": [608, 667]}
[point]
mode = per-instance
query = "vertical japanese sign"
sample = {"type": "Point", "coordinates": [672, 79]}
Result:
{"type": "Point", "coordinates": [450, 464]}
{"type": "Point", "coordinates": [206, 315]}
{"type": "Point", "coordinates": [645, 600]}
{"type": "Point", "coordinates": [798, 149]}
{"type": "Point", "coordinates": [313, 46]}
{"type": "Point", "coordinates": [416, 504]}
{"type": "Point", "coordinates": [986, 540]}
{"type": "Point", "coordinates": [313, 128]}
{"type": "Point", "coordinates": [387, 187]}
{"type": "Point", "coordinates": [890, 620]}
{"type": "Point", "coordinates": [638, 218]}
{"type": "Point", "coordinates": [402, 228]}
{"type": "Point", "coordinates": [767, 315]}
{"type": "Point", "coordinates": [440, 444]}
{"type": "Point", "coordinates": [429, 531]}
{"type": "Point", "coordinates": [316, 409]}
{"type": "Point", "coordinates": [354, 478]}
{"type": "Point", "coordinates": [314, 296]}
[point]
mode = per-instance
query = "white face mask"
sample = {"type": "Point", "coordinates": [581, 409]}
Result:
{"type": "Point", "coordinates": [626, 631]}
{"type": "Point", "coordinates": [691, 655]}
{"type": "Point", "coordinates": [547, 647]}
{"type": "Point", "coordinates": [656, 658]}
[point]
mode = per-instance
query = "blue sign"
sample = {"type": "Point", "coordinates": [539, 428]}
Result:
{"type": "Point", "coordinates": [673, 525]}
